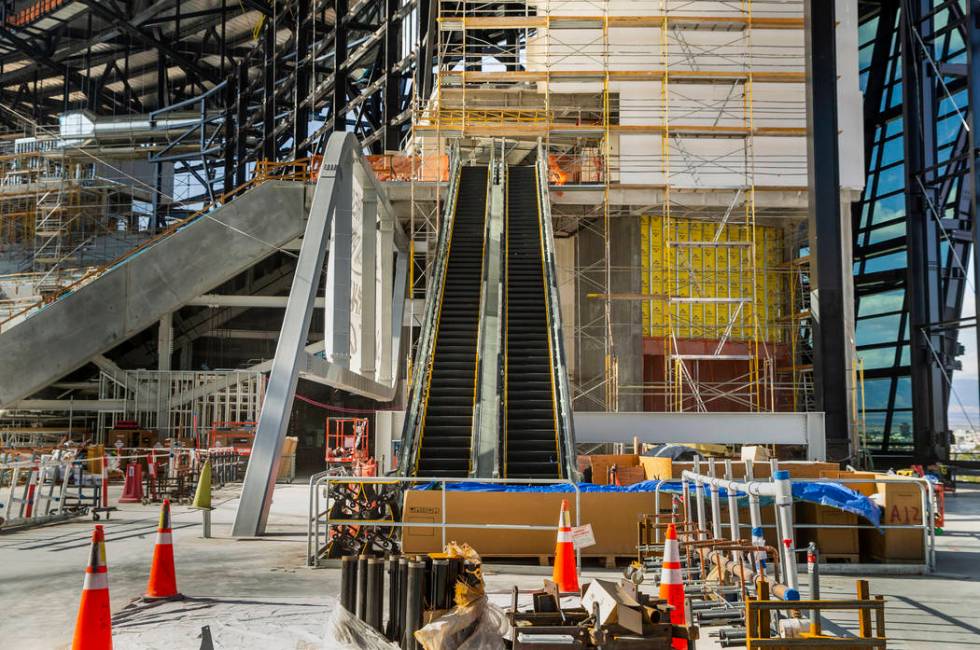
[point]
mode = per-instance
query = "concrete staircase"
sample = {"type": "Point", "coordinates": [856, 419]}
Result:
{"type": "Point", "coordinates": [66, 334]}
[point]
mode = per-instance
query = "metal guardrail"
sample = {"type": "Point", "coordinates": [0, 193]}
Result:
{"type": "Point", "coordinates": [320, 522]}
{"type": "Point", "coordinates": [563, 394]}
{"type": "Point", "coordinates": [753, 489]}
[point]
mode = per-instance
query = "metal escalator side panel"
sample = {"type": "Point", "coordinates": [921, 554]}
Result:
{"type": "Point", "coordinates": [563, 399]}
{"type": "Point", "coordinates": [430, 361]}
{"type": "Point", "coordinates": [479, 324]}
{"type": "Point", "coordinates": [547, 310]}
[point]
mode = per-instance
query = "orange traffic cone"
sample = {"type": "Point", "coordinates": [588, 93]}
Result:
{"type": "Point", "coordinates": [93, 628]}
{"type": "Point", "coordinates": [565, 573]}
{"type": "Point", "coordinates": [671, 584]}
{"type": "Point", "coordinates": [133, 488]}
{"type": "Point", "coordinates": [163, 578]}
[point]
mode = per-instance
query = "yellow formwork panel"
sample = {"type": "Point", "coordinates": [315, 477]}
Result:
{"type": "Point", "coordinates": [720, 272]}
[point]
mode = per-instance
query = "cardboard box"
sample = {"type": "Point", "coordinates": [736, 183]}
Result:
{"type": "Point", "coordinates": [755, 453]}
{"type": "Point", "coordinates": [656, 468]}
{"type": "Point", "coordinates": [841, 476]}
{"type": "Point", "coordinates": [602, 462]}
{"type": "Point", "coordinates": [613, 516]}
{"type": "Point", "coordinates": [829, 541]}
{"type": "Point", "coordinates": [617, 604]}
{"type": "Point", "coordinates": [796, 469]}
{"type": "Point", "coordinates": [630, 475]}
{"type": "Point", "coordinates": [287, 459]}
{"type": "Point", "coordinates": [902, 504]}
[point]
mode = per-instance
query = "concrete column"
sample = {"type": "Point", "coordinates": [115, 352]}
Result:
{"type": "Point", "coordinates": [165, 341]}
{"type": "Point", "coordinates": [165, 349]}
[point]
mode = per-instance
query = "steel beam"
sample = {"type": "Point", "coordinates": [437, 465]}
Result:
{"type": "Point", "coordinates": [825, 240]}
{"type": "Point", "coordinates": [340, 72]}
{"type": "Point", "coordinates": [259, 302]}
{"type": "Point", "coordinates": [920, 103]}
{"type": "Point", "coordinates": [263, 466]}
{"type": "Point", "coordinates": [707, 428]}
{"type": "Point", "coordinates": [972, 23]}
{"type": "Point", "coordinates": [304, 60]}
{"type": "Point", "coordinates": [66, 405]}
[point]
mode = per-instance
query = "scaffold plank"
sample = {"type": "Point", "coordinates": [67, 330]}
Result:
{"type": "Point", "coordinates": [676, 76]}
{"type": "Point", "coordinates": [532, 129]}
{"type": "Point", "coordinates": [706, 23]}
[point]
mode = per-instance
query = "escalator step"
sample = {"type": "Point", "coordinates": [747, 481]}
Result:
{"type": "Point", "coordinates": [530, 425]}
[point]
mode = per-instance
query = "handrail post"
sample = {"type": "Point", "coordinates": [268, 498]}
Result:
{"type": "Point", "coordinates": [715, 502]}
{"type": "Point", "coordinates": [732, 509]}
{"type": "Point", "coordinates": [784, 513]}
{"type": "Point", "coordinates": [755, 519]}
{"type": "Point", "coordinates": [699, 496]}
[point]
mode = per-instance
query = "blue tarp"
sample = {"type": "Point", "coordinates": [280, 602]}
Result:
{"type": "Point", "coordinates": [837, 496]}
{"type": "Point", "coordinates": [829, 494]}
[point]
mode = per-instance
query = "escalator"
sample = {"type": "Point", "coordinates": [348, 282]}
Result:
{"type": "Point", "coordinates": [530, 438]}
{"type": "Point", "coordinates": [447, 421]}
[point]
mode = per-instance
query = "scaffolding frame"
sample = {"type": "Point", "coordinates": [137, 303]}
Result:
{"type": "Point", "coordinates": [522, 71]}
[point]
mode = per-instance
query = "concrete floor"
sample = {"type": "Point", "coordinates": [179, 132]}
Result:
{"type": "Point", "coordinates": [258, 592]}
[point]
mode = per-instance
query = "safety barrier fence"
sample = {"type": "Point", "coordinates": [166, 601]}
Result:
{"type": "Point", "coordinates": [324, 523]}
{"type": "Point", "coordinates": [324, 496]}
{"type": "Point", "coordinates": [52, 487]}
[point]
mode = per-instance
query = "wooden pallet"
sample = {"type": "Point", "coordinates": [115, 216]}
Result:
{"type": "Point", "coordinates": [604, 561]}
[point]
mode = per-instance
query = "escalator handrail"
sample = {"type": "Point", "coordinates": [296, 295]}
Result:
{"type": "Point", "coordinates": [422, 372]}
{"type": "Point", "coordinates": [563, 398]}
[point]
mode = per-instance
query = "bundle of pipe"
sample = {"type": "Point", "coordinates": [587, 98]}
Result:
{"type": "Point", "coordinates": [416, 585]}
{"type": "Point", "coordinates": [781, 591]}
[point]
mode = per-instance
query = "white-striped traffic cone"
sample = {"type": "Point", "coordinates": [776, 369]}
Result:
{"type": "Point", "coordinates": [565, 573]}
{"type": "Point", "coordinates": [671, 583]}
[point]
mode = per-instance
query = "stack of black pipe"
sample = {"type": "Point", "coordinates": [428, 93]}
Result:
{"type": "Point", "coordinates": [416, 585]}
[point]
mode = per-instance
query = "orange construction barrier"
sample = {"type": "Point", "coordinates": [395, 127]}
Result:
{"type": "Point", "coordinates": [163, 577]}
{"type": "Point", "coordinates": [565, 573]}
{"type": "Point", "coordinates": [105, 482]}
{"type": "Point", "coordinates": [93, 627]}
{"type": "Point", "coordinates": [671, 584]}
{"type": "Point", "coordinates": [32, 480]}
{"type": "Point", "coordinates": [133, 488]}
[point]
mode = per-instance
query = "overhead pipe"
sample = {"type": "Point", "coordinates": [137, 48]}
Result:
{"type": "Point", "coordinates": [76, 126]}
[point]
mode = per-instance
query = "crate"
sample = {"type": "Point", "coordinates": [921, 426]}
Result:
{"type": "Point", "coordinates": [602, 462]}
{"type": "Point", "coordinates": [829, 541]}
{"type": "Point", "coordinates": [902, 504]}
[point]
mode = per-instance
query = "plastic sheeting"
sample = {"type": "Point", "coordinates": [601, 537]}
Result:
{"type": "Point", "coordinates": [824, 493]}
